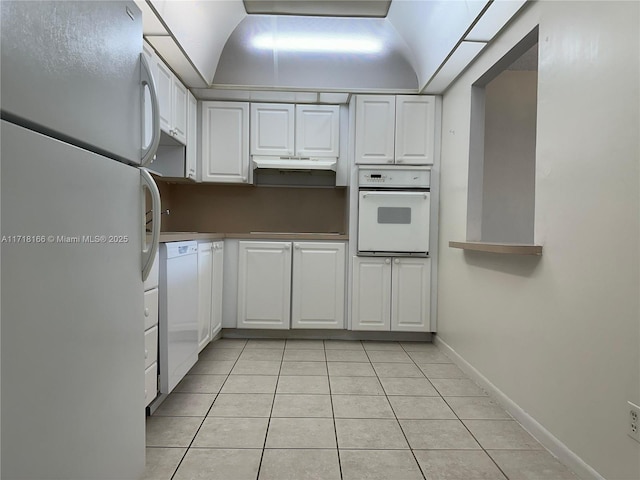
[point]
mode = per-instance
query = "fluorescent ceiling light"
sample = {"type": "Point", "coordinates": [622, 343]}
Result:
{"type": "Point", "coordinates": [317, 43]}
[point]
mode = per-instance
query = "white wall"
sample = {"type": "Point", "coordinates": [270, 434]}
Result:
{"type": "Point", "coordinates": [509, 157]}
{"type": "Point", "coordinates": [559, 334]}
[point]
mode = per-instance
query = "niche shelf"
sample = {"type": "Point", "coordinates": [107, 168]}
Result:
{"type": "Point", "coordinates": [503, 248]}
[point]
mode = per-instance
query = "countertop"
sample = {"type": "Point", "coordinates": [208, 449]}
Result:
{"type": "Point", "coordinates": [184, 236]}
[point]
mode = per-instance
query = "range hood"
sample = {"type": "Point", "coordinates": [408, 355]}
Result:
{"type": "Point", "coordinates": [295, 163]}
{"type": "Point", "coordinates": [294, 171]}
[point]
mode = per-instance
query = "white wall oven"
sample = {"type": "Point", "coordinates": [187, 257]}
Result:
{"type": "Point", "coordinates": [393, 211]}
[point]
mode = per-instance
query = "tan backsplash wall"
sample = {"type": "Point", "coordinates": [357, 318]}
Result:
{"type": "Point", "coordinates": [243, 209]}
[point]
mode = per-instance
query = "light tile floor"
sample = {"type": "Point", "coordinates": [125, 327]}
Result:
{"type": "Point", "coordinates": [313, 409]}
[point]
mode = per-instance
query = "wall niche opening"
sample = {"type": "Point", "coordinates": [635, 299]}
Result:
{"type": "Point", "coordinates": [502, 155]}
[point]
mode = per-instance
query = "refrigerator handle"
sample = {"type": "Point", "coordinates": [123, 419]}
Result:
{"type": "Point", "coordinates": [148, 81]}
{"type": "Point", "coordinates": [150, 250]}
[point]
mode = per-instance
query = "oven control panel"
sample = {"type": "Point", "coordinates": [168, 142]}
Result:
{"type": "Point", "coordinates": [395, 177]}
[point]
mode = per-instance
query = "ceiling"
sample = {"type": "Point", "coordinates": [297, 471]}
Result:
{"type": "Point", "coordinates": [320, 8]}
{"type": "Point", "coordinates": [306, 45]}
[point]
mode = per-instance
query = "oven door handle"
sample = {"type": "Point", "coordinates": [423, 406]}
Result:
{"type": "Point", "coordinates": [397, 194]}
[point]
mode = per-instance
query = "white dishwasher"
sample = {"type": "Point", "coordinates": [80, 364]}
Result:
{"type": "Point", "coordinates": [178, 312]}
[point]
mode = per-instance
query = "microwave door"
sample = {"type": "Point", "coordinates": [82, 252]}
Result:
{"type": "Point", "coordinates": [393, 222]}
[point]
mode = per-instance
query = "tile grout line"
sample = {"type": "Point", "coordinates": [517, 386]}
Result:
{"type": "Point", "coordinates": [273, 401]}
{"type": "Point", "coordinates": [333, 413]}
{"type": "Point", "coordinates": [459, 419]}
{"type": "Point", "coordinates": [394, 412]}
{"type": "Point", "coordinates": [205, 416]}
{"type": "Point", "coordinates": [474, 437]}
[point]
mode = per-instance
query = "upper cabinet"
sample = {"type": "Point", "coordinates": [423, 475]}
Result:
{"type": "Point", "coordinates": [225, 142]}
{"type": "Point", "coordinates": [272, 129]}
{"type": "Point", "coordinates": [192, 138]}
{"type": "Point", "coordinates": [415, 129]}
{"type": "Point", "coordinates": [375, 120]}
{"type": "Point", "coordinates": [317, 131]}
{"type": "Point", "coordinates": [395, 129]}
{"type": "Point", "coordinates": [172, 96]}
{"type": "Point", "coordinates": [295, 130]}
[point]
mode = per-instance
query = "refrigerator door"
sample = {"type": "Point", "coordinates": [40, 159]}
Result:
{"type": "Point", "coordinates": [71, 70]}
{"type": "Point", "coordinates": [72, 346]}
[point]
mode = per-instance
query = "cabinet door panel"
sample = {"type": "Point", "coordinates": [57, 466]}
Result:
{"type": "Point", "coordinates": [272, 129]}
{"type": "Point", "coordinates": [150, 308]}
{"type": "Point", "coordinates": [264, 285]}
{"type": "Point", "coordinates": [225, 142]}
{"type": "Point", "coordinates": [205, 264]}
{"type": "Point", "coordinates": [415, 129]}
{"type": "Point", "coordinates": [317, 299]}
{"type": "Point", "coordinates": [180, 101]}
{"type": "Point", "coordinates": [371, 302]}
{"type": "Point", "coordinates": [217, 292]}
{"type": "Point", "coordinates": [375, 126]}
{"type": "Point", "coordinates": [150, 346]}
{"type": "Point", "coordinates": [150, 384]}
{"type": "Point", "coordinates": [164, 84]}
{"type": "Point", "coordinates": [192, 140]}
{"type": "Point", "coordinates": [411, 293]}
{"type": "Point", "coordinates": [317, 131]}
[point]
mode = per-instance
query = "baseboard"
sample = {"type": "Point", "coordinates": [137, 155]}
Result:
{"type": "Point", "coordinates": [550, 442]}
{"type": "Point", "coordinates": [318, 334]}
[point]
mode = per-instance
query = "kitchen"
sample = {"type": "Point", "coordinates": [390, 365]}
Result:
{"type": "Point", "coordinates": [466, 316]}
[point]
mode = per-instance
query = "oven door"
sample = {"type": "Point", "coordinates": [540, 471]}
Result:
{"type": "Point", "coordinates": [393, 222]}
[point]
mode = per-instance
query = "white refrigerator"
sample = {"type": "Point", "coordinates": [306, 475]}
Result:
{"type": "Point", "coordinates": [74, 252]}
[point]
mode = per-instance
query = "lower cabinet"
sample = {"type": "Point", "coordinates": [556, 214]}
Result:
{"type": "Point", "coordinates": [216, 284]}
{"type": "Point", "coordinates": [205, 289]}
{"type": "Point", "coordinates": [210, 265]}
{"type": "Point", "coordinates": [391, 294]}
{"type": "Point", "coordinates": [150, 319]}
{"type": "Point", "coordinates": [280, 287]}
{"type": "Point", "coordinates": [317, 296]}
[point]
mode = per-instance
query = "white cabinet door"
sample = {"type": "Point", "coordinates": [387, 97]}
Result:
{"type": "Point", "coordinates": [317, 297]}
{"type": "Point", "coordinates": [264, 285]}
{"type": "Point", "coordinates": [415, 129]}
{"type": "Point", "coordinates": [205, 265]}
{"type": "Point", "coordinates": [411, 293]}
{"type": "Point", "coordinates": [150, 308]}
{"type": "Point", "coordinates": [150, 384]}
{"type": "Point", "coordinates": [375, 127]}
{"type": "Point", "coordinates": [272, 129]}
{"type": "Point", "coordinates": [164, 85]}
{"type": "Point", "coordinates": [371, 302]}
{"type": "Point", "coordinates": [192, 138]}
{"type": "Point", "coordinates": [225, 142]}
{"type": "Point", "coordinates": [150, 346]}
{"type": "Point", "coordinates": [318, 131]}
{"type": "Point", "coordinates": [217, 282]}
{"type": "Point", "coordinates": [180, 101]}
{"type": "Point", "coordinates": [173, 100]}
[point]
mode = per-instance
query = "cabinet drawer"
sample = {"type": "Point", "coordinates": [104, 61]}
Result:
{"type": "Point", "coordinates": [150, 308]}
{"type": "Point", "coordinates": [150, 383]}
{"type": "Point", "coordinates": [150, 346]}
{"type": "Point", "coordinates": [152, 279]}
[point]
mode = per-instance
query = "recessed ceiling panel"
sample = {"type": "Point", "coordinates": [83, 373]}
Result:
{"type": "Point", "coordinates": [316, 53]}
{"type": "Point", "coordinates": [321, 8]}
